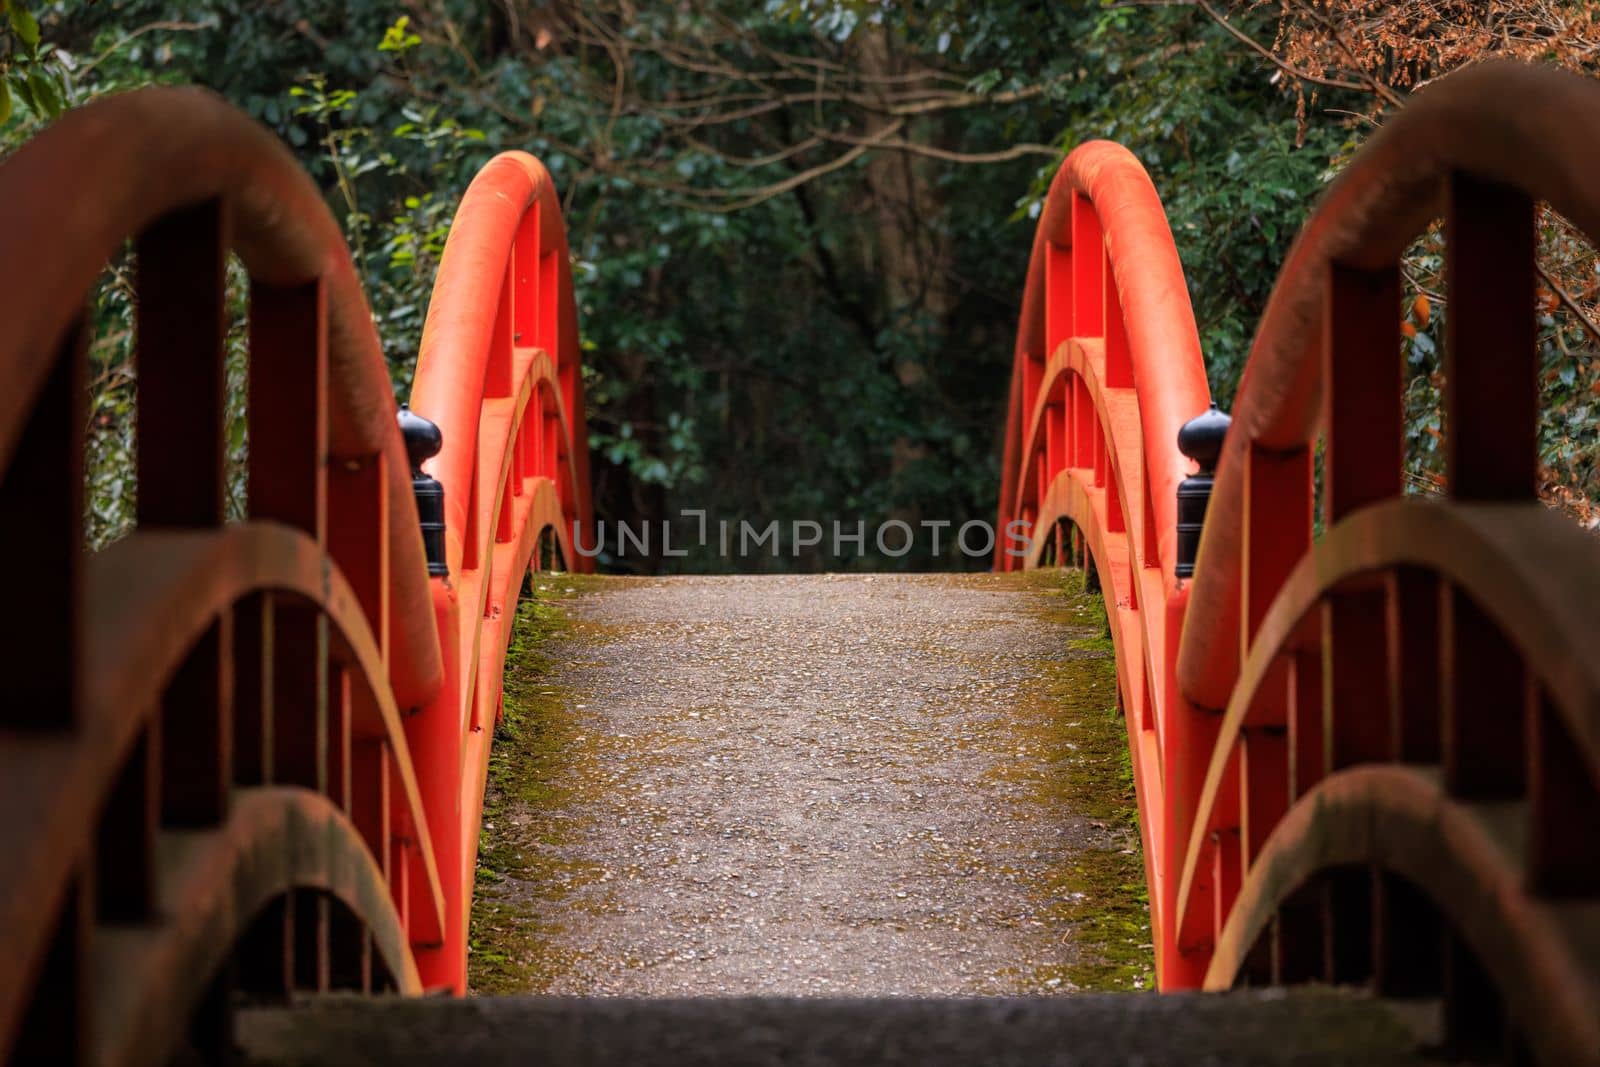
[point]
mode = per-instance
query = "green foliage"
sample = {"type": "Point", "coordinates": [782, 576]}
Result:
{"type": "Point", "coordinates": [774, 361]}
{"type": "Point", "coordinates": [33, 74]}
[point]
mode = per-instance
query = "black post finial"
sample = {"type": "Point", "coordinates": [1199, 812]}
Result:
{"type": "Point", "coordinates": [423, 441]}
{"type": "Point", "coordinates": [1201, 440]}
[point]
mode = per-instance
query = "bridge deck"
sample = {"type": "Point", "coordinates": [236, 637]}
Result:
{"type": "Point", "coordinates": [813, 785]}
{"type": "Point", "coordinates": [1244, 1029]}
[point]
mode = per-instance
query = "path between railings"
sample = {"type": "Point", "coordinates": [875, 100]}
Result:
{"type": "Point", "coordinates": [810, 785]}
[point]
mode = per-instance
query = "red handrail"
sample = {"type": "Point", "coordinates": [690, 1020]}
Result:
{"type": "Point", "coordinates": [1529, 127]}
{"type": "Point", "coordinates": [203, 720]}
{"type": "Point", "coordinates": [500, 374]}
{"type": "Point", "coordinates": [170, 148]}
{"type": "Point", "coordinates": [1107, 368]}
{"type": "Point", "coordinates": [1381, 642]}
{"type": "Point", "coordinates": [1455, 637]}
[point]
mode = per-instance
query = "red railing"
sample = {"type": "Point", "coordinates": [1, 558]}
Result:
{"type": "Point", "coordinates": [1107, 369]}
{"type": "Point", "coordinates": [500, 375]}
{"type": "Point", "coordinates": [203, 753]}
{"type": "Point", "coordinates": [1380, 748]}
{"type": "Point", "coordinates": [252, 755]}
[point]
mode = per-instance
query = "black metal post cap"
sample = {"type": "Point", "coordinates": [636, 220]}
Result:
{"type": "Point", "coordinates": [422, 437]}
{"type": "Point", "coordinates": [1201, 440]}
{"type": "Point", "coordinates": [1201, 437]}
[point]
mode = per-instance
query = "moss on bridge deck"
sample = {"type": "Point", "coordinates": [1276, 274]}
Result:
{"type": "Point", "coordinates": [1054, 759]}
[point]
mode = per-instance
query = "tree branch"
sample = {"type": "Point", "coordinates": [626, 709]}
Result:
{"type": "Point", "coordinates": [1270, 56]}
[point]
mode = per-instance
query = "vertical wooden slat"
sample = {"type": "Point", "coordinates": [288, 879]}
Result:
{"type": "Point", "coordinates": [253, 631]}
{"type": "Point", "coordinates": [300, 696]}
{"type": "Point", "coordinates": [358, 535]}
{"type": "Point", "coordinates": [1413, 629]}
{"type": "Point", "coordinates": [1565, 814]}
{"type": "Point", "coordinates": [1119, 358]}
{"type": "Point", "coordinates": [1482, 702]}
{"type": "Point", "coordinates": [1224, 876]}
{"type": "Point", "coordinates": [519, 468]}
{"type": "Point", "coordinates": [1116, 520]}
{"type": "Point", "coordinates": [469, 539]}
{"type": "Point", "coordinates": [497, 371]}
{"type": "Point", "coordinates": [1033, 367]}
{"type": "Point", "coordinates": [369, 796]}
{"type": "Point", "coordinates": [1082, 424]}
{"type": "Point", "coordinates": [1088, 266]}
{"type": "Point", "coordinates": [1308, 752]}
{"type": "Point", "coordinates": [1355, 677]}
{"type": "Point", "coordinates": [41, 510]}
{"type": "Point", "coordinates": [525, 271]}
{"type": "Point", "coordinates": [1098, 443]}
{"type": "Point", "coordinates": [1264, 787]}
{"type": "Point", "coordinates": [1058, 325]}
{"type": "Point", "coordinates": [126, 835]}
{"type": "Point", "coordinates": [349, 951]}
{"type": "Point", "coordinates": [56, 1024]}
{"type": "Point", "coordinates": [1055, 437]}
{"type": "Point", "coordinates": [1150, 554]}
{"type": "Point", "coordinates": [531, 436]}
{"type": "Point", "coordinates": [504, 529]}
{"type": "Point", "coordinates": [339, 739]}
{"type": "Point", "coordinates": [197, 732]}
{"type": "Point", "coordinates": [181, 278]}
{"type": "Point", "coordinates": [400, 866]}
{"type": "Point", "coordinates": [553, 452]}
{"type": "Point", "coordinates": [549, 328]}
{"type": "Point", "coordinates": [1276, 530]}
{"type": "Point", "coordinates": [1491, 389]}
{"type": "Point", "coordinates": [289, 405]}
{"type": "Point", "coordinates": [1361, 368]}
{"type": "Point", "coordinates": [312, 943]}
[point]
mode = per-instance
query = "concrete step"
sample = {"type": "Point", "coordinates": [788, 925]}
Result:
{"type": "Point", "coordinates": [1245, 1029]}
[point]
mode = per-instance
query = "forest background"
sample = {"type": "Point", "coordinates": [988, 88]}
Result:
{"type": "Point", "coordinates": [800, 228]}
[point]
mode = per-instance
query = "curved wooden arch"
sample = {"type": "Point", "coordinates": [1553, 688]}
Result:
{"type": "Point", "coordinates": [1508, 561]}
{"type": "Point", "coordinates": [1085, 497]}
{"type": "Point", "coordinates": [1275, 637]}
{"type": "Point", "coordinates": [190, 660]}
{"type": "Point", "coordinates": [117, 168]}
{"type": "Point", "coordinates": [276, 842]}
{"type": "Point", "coordinates": [1488, 140]}
{"type": "Point", "coordinates": [1469, 859]}
{"type": "Point", "coordinates": [64, 790]}
{"type": "Point", "coordinates": [1107, 368]}
{"type": "Point", "coordinates": [1461, 634]}
{"type": "Point", "coordinates": [500, 374]}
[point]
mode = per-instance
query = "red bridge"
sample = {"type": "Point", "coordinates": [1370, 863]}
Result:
{"type": "Point", "coordinates": [239, 760]}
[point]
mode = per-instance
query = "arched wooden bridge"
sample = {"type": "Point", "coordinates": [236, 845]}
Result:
{"type": "Point", "coordinates": [248, 758]}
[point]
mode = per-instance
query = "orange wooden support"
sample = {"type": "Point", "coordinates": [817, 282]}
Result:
{"type": "Point", "coordinates": [181, 281]}
{"type": "Point", "coordinates": [1290, 669]}
{"type": "Point", "coordinates": [499, 375]}
{"type": "Point", "coordinates": [1106, 309]}
{"type": "Point", "coordinates": [1369, 758]}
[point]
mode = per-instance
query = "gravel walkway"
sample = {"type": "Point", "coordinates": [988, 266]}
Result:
{"type": "Point", "coordinates": [802, 785]}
